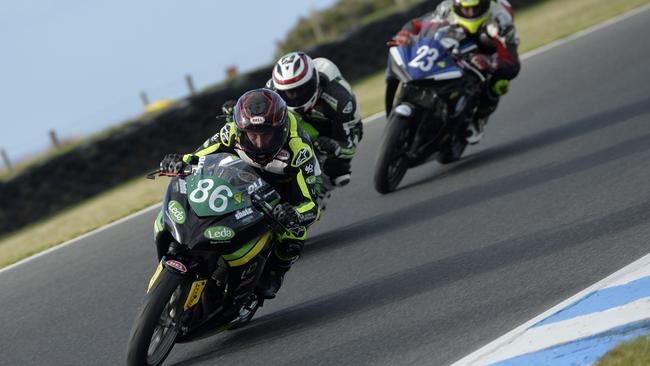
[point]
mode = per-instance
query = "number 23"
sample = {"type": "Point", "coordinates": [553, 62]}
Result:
{"type": "Point", "coordinates": [431, 55]}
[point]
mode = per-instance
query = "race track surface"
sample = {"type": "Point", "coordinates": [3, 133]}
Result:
{"type": "Point", "coordinates": [556, 197]}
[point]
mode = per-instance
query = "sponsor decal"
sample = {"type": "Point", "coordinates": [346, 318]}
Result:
{"type": "Point", "coordinates": [182, 186]}
{"type": "Point", "coordinates": [199, 166]}
{"type": "Point", "coordinates": [309, 168]}
{"type": "Point", "coordinates": [302, 156]}
{"type": "Point", "coordinates": [297, 231]}
{"type": "Point", "coordinates": [176, 212]}
{"type": "Point", "coordinates": [307, 216]}
{"type": "Point", "coordinates": [237, 197]}
{"type": "Point", "coordinates": [225, 134]}
{"type": "Point", "coordinates": [288, 60]}
{"type": "Point", "coordinates": [257, 120]}
{"type": "Point", "coordinates": [243, 213]}
{"type": "Point", "coordinates": [283, 155]}
{"type": "Point", "coordinates": [213, 139]}
{"type": "Point", "coordinates": [255, 186]}
{"type": "Point", "coordinates": [348, 108]}
{"type": "Point", "coordinates": [176, 265]}
{"type": "Point", "coordinates": [330, 100]}
{"type": "Point", "coordinates": [219, 233]}
{"type": "Point", "coordinates": [311, 179]}
{"type": "Point", "coordinates": [195, 294]}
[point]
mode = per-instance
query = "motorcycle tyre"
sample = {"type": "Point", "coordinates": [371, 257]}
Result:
{"type": "Point", "coordinates": [396, 129]}
{"type": "Point", "coordinates": [147, 319]}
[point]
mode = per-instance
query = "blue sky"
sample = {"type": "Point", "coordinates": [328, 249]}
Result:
{"type": "Point", "coordinates": [79, 66]}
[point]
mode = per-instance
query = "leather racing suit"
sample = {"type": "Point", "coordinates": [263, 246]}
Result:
{"type": "Point", "coordinates": [335, 115]}
{"type": "Point", "coordinates": [294, 173]}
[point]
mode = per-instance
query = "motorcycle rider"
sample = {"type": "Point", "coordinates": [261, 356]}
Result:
{"type": "Point", "coordinates": [268, 137]}
{"type": "Point", "coordinates": [315, 89]}
{"type": "Point", "coordinates": [490, 24]}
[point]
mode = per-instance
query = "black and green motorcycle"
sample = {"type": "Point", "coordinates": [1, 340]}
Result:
{"type": "Point", "coordinates": [213, 236]}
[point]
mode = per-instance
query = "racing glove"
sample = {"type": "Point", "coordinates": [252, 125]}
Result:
{"type": "Point", "coordinates": [400, 39]}
{"type": "Point", "coordinates": [228, 108]}
{"type": "Point", "coordinates": [482, 63]}
{"type": "Point", "coordinates": [327, 146]}
{"type": "Point", "coordinates": [286, 215]}
{"type": "Point", "coordinates": [172, 164]}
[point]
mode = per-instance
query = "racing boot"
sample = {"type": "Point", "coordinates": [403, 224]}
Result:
{"type": "Point", "coordinates": [271, 282]}
{"type": "Point", "coordinates": [279, 263]}
{"type": "Point", "coordinates": [488, 103]}
{"type": "Point", "coordinates": [475, 131]}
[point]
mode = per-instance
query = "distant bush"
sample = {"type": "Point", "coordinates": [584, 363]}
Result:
{"type": "Point", "coordinates": [328, 24]}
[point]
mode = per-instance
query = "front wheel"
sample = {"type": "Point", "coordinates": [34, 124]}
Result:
{"type": "Point", "coordinates": [155, 329]}
{"type": "Point", "coordinates": [392, 161]}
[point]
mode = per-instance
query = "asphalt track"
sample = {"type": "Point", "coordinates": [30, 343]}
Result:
{"type": "Point", "coordinates": [556, 197]}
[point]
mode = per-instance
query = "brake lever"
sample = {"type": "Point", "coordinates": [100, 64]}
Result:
{"type": "Point", "coordinates": [153, 174]}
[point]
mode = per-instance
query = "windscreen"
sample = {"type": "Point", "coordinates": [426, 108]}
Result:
{"type": "Point", "coordinates": [229, 168]}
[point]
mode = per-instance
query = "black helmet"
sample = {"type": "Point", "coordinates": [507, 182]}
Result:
{"type": "Point", "coordinates": [262, 122]}
{"type": "Point", "coordinates": [471, 14]}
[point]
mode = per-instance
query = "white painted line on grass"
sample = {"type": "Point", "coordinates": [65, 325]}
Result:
{"type": "Point", "coordinates": [373, 118]}
{"type": "Point", "coordinates": [81, 237]}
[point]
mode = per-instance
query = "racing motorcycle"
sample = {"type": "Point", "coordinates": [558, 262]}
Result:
{"type": "Point", "coordinates": [213, 236]}
{"type": "Point", "coordinates": [438, 93]}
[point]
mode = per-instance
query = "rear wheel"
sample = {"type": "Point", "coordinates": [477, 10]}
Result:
{"type": "Point", "coordinates": [392, 162]}
{"type": "Point", "coordinates": [156, 327]}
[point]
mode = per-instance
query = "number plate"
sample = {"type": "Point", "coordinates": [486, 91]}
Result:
{"type": "Point", "coordinates": [210, 196]}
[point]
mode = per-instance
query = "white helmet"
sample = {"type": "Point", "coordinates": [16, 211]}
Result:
{"type": "Point", "coordinates": [296, 80]}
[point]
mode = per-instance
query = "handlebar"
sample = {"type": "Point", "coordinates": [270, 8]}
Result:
{"type": "Point", "coordinates": [260, 204]}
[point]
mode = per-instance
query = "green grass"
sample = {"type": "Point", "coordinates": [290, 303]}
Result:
{"type": "Point", "coordinates": [537, 25]}
{"type": "Point", "coordinates": [635, 352]}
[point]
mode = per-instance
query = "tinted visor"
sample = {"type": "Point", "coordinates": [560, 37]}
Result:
{"type": "Point", "coordinates": [475, 11]}
{"type": "Point", "coordinates": [263, 144]}
{"type": "Point", "coordinates": [299, 96]}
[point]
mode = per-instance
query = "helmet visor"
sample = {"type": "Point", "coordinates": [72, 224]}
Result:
{"type": "Point", "coordinates": [263, 144]}
{"type": "Point", "coordinates": [300, 95]}
{"type": "Point", "coordinates": [473, 11]}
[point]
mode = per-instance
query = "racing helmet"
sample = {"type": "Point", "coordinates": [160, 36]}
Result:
{"type": "Point", "coordinates": [262, 123]}
{"type": "Point", "coordinates": [471, 14]}
{"type": "Point", "coordinates": [295, 78]}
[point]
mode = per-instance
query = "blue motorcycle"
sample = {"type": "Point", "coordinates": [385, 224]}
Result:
{"type": "Point", "coordinates": [436, 101]}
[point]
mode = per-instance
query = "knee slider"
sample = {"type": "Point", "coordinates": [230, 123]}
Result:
{"type": "Point", "coordinates": [290, 249]}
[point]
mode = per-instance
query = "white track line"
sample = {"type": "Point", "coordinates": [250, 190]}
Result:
{"type": "Point", "coordinates": [373, 118]}
{"type": "Point", "coordinates": [81, 237]}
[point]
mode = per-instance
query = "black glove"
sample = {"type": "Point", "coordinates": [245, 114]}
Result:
{"type": "Point", "coordinates": [327, 146]}
{"type": "Point", "coordinates": [228, 107]}
{"type": "Point", "coordinates": [172, 164]}
{"type": "Point", "coordinates": [286, 214]}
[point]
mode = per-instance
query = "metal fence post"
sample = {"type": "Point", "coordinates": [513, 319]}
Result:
{"type": "Point", "coordinates": [55, 140]}
{"type": "Point", "coordinates": [144, 98]}
{"type": "Point", "coordinates": [6, 160]}
{"type": "Point", "coordinates": [190, 84]}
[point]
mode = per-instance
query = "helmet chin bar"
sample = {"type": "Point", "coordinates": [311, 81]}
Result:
{"type": "Point", "coordinates": [307, 106]}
